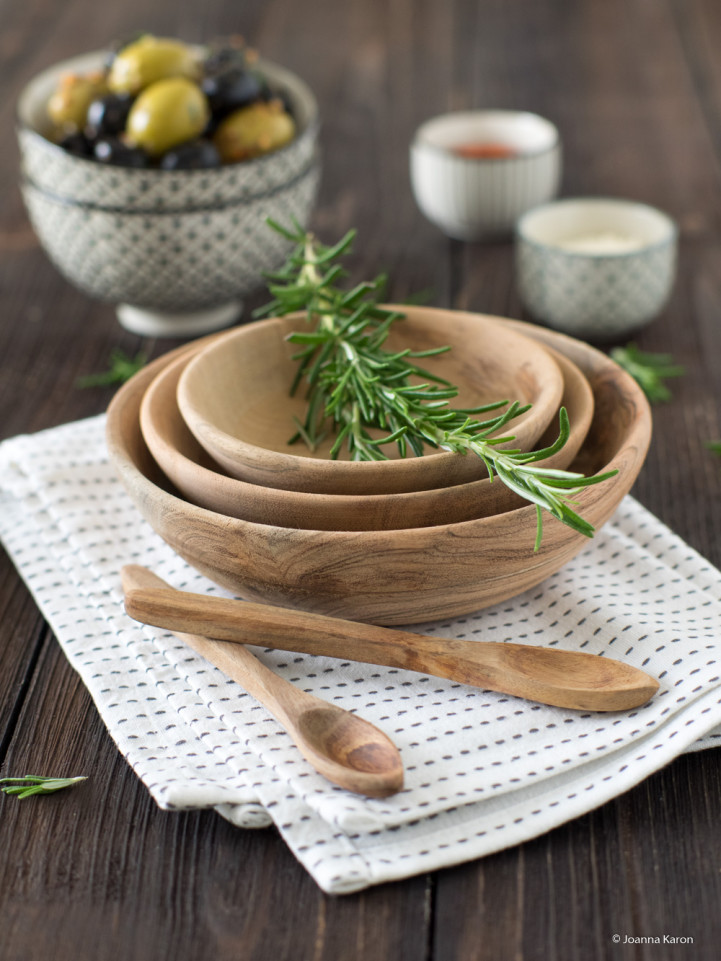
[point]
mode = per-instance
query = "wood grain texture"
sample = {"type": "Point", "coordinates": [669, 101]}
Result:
{"type": "Point", "coordinates": [100, 873]}
{"type": "Point", "coordinates": [550, 675]}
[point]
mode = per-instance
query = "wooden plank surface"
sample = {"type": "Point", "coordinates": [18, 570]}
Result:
{"type": "Point", "coordinates": [100, 872]}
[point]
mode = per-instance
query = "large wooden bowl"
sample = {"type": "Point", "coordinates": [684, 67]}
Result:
{"type": "Point", "coordinates": [390, 577]}
{"type": "Point", "coordinates": [234, 396]}
{"type": "Point", "coordinates": [202, 482]}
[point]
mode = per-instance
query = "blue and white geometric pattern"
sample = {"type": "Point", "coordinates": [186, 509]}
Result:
{"type": "Point", "coordinates": [594, 296]}
{"type": "Point", "coordinates": [170, 260]}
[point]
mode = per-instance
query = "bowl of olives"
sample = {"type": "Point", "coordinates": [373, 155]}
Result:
{"type": "Point", "coordinates": [149, 172]}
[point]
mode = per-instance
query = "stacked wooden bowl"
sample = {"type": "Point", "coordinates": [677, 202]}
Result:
{"type": "Point", "coordinates": [200, 440]}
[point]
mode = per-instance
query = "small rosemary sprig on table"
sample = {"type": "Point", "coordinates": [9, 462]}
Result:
{"type": "Point", "coordinates": [355, 384]}
{"type": "Point", "coordinates": [121, 367]}
{"type": "Point", "coordinates": [648, 370]}
{"type": "Point", "coordinates": [33, 784]}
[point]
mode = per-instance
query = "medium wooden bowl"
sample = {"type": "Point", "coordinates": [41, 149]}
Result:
{"type": "Point", "coordinates": [234, 397]}
{"type": "Point", "coordinates": [202, 482]}
{"type": "Point", "coordinates": [390, 577]}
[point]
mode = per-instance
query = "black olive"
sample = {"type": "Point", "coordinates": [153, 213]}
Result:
{"type": "Point", "coordinates": [197, 155]}
{"type": "Point", "coordinates": [77, 144]}
{"type": "Point", "coordinates": [112, 150]}
{"type": "Point", "coordinates": [108, 115]}
{"type": "Point", "coordinates": [230, 90]}
{"type": "Point", "coordinates": [222, 58]}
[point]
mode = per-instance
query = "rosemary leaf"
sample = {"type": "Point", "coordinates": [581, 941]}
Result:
{"type": "Point", "coordinates": [32, 784]}
{"type": "Point", "coordinates": [648, 370]}
{"type": "Point", "coordinates": [121, 367]}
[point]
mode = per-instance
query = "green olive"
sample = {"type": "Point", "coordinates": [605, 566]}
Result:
{"type": "Point", "coordinates": [167, 113]}
{"type": "Point", "coordinates": [149, 59]}
{"type": "Point", "coordinates": [68, 106]}
{"type": "Point", "coordinates": [257, 129]}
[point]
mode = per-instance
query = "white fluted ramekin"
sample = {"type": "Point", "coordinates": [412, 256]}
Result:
{"type": "Point", "coordinates": [475, 197]}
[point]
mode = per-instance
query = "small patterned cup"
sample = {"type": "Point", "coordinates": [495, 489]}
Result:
{"type": "Point", "coordinates": [595, 268]}
{"type": "Point", "coordinates": [474, 173]}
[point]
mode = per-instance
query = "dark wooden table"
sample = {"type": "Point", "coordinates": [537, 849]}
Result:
{"type": "Point", "coordinates": [101, 873]}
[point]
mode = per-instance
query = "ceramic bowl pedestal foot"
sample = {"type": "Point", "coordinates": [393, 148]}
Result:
{"type": "Point", "coordinates": [157, 323]}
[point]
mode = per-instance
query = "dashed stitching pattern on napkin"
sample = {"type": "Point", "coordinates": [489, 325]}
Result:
{"type": "Point", "coordinates": [196, 739]}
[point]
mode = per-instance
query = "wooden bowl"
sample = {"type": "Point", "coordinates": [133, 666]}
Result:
{"type": "Point", "coordinates": [202, 482]}
{"type": "Point", "coordinates": [390, 577]}
{"type": "Point", "coordinates": [234, 397]}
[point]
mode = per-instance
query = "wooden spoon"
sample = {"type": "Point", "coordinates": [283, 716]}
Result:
{"type": "Point", "coordinates": [549, 675]}
{"type": "Point", "coordinates": [341, 746]}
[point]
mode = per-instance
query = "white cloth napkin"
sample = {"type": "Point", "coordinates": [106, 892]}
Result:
{"type": "Point", "coordinates": [483, 771]}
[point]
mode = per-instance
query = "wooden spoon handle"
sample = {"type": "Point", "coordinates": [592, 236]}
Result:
{"type": "Point", "coordinates": [572, 679]}
{"type": "Point", "coordinates": [281, 698]}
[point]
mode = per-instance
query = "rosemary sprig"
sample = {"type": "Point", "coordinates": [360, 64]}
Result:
{"type": "Point", "coordinates": [648, 370]}
{"type": "Point", "coordinates": [32, 784]}
{"type": "Point", "coordinates": [121, 367]}
{"type": "Point", "coordinates": [354, 384]}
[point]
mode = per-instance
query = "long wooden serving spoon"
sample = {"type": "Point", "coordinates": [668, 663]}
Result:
{"type": "Point", "coordinates": [344, 748]}
{"type": "Point", "coordinates": [573, 679]}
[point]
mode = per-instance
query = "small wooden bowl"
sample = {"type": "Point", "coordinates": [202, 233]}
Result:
{"type": "Point", "coordinates": [234, 397]}
{"type": "Point", "coordinates": [390, 577]}
{"type": "Point", "coordinates": [202, 482]}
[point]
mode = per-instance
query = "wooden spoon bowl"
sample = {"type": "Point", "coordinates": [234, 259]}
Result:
{"type": "Point", "coordinates": [234, 397]}
{"type": "Point", "coordinates": [399, 576]}
{"type": "Point", "coordinates": [202, 482]}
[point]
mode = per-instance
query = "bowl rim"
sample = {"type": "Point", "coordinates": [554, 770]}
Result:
{"type": "Point", "coordinates": [26, 129]}
{"type": "Point", "coordinates": [419, 145]}
{"type": "Point", "coordinates": [670, 239]}
{"type": "Point", "coordinates": [26, 183]}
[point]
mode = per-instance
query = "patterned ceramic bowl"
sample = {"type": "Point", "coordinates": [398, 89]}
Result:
{"type": "Point", "coordinates": [175, 250]}
{"type": "Point", "coordinates": [595, 268]}
{"type": "Point", "coordinates": [475, 172]}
